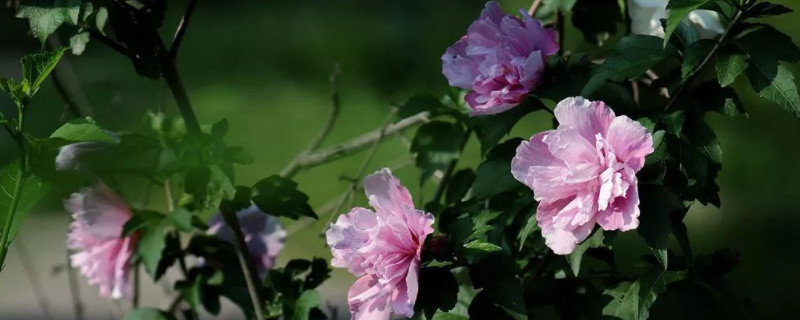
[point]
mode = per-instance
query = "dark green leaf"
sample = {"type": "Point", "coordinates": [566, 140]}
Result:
{"type": "Point", "coordinates": [181, 219]}
{"type": "Point", "coordinates": [753, 43]}
{"type": "Point", "coordinates": [148, 314]}
{"type": "Point", "coordinates": [695, 55]}
{"type": "Point", "coordinates": [459, 185]}
{"type": "Point", "coordinates": [632, 56]}
{"type": "Point", "coordinates": [491, 128]}
{"type": "Point", "coordinates": [150, 247]}
{"type": "Point", "coordinates": [775, 83]}
{"type": "Point", "coordinates": [438, 289]}
{"type": "Point", "coordinates": [82, 129]}
{"type": "Point", "coordinates": [657, 203]}
{"type": "Point", "coordinates": [494, 175]}
{"type": "Point", "coordinates": [45, 16]}
{"type": "Point", "coordinates": [279, 197]}
{"type": "Point", "coordinates": [497, 275]}
{"type": "Point", "coordinates": [530, 226]}
{"type": "Point", "coordinates": [437, 144]}
{"type": "Point", "coordinates": [730, 64]}
{"type": "Point", "coordinates": [678, 10]}
{"type": "Point", "coordinates": [320, 271]}
{"type": "Point", "coordinates": [685, 34]}
{"type": "Point", "coordinates": [208, 185]}
{"type": "Point", "coordinates": [767, 9]}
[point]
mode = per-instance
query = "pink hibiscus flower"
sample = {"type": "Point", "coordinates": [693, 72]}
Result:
{"type": "Point", "coordinates": [501, 59]}
{"type": "Point", "coordinates": [584, 172]}
{"type": "Point", "coordinates": [101, 253]}
{"type": "Point", "coordinates": [382, 248]}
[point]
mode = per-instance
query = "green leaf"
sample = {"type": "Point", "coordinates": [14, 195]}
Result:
{"type": "Point", "coordinates": [632, 56]}
{"type": "Point", "coordinates": [45, 16]}
{"type": "Point", "coordinates": [320, 271]}
{"type": "Point", "coordinates": [37, 66]}
{"type": "Point", "coordinates": [148, 314]}
{"type": "Point", "coordinates": [530, 226]}
{"type": "Point", "coordinates": [78, 42]}
{"type": "Point", "coordinates": [308, 300]}
{"type": "Point", "coordinates": [150, 247]}
{"type": "Point", "coordinates": [494, 175]}
{"type": "Point", "coordinates": [774, 83]}
{"type": "Point", "coordinates": [490, 129]}
{"type": "Point", "coordinates": [32, 190]}
{"type": "Point", "coordinates": [459, 185]}
{"type": "Point", "coordinates": [208, 185]}
{"type": "Point", "coordinates": [438, 289]}
{"type": "Point", "coordinates": [678, 10]}
{"type": "Point", "coordinates": [82, 129]}
{"type": "Point", "coordinates": [730, 64]}
{"type": "Point", "coordinates": [657, 203]}
{"type": "Point", "coordinates": [695, 55]}
{"type": "Point", "coordinates": [632, 300]}
{"type": "Point", "coordinates": [181, 219]}
{"type": "Point", "coordinates": [497, 275]}
{"type": "Point", "coordinates": [437, 144]}
{"type": "Point", "coordinates": [762, 9]}
{"type": "Point", "coordinates": [596, 240]}
{"type": "Point", "coordinates": [279, 197]}
{"type": "Point", "coordinates": [686, 35]}
{"type": "Point", "coordinates": [482, 246]}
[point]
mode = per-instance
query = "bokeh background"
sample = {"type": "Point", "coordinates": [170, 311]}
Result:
{"type": "Point", "coordinates": [264, 65]}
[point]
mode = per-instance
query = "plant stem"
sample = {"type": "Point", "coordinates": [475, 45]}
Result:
{"type": "Point", "coordinates": [181, 31]}
{"type": "Point", "coordinates": [333, 112]}
{"type": "Point", "coordinates": [179, 93]}
{"type": "Point", "coordinates": [243, 256]}
{"type": "Point", "coordinates": [717, 46]}
{"type": "Point", "coordinates": [19, 138]}
{"type": "Point", "coordinates": [311, 159]}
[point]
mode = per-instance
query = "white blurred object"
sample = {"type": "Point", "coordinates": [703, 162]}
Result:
{"type": "Point", "coordinates": [646, 18]}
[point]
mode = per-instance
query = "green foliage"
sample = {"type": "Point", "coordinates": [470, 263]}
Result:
{"type": "Point", "coordinates": [438, 291]}
{"type": "Point", "coordinates": [678, 10]}
{"type": "Point", "coordinates": [493, 176]}
{"type": "Point", "coordinates": [45, 16]}
{"type": "Point", "coordinates": [731, 63]}
{"type": "Point", "coordinates": [82, 129]}
{"type": "Point", "coordinates": [632, 56]}
{"type": "Point", "coordinates": [279, 196]}
{"type": "Point", "coordinates": [597, 19]}
{"type": "Point", "coordinates": [437, 144]}
{"type": "Point", "coordinates": [21, 192]}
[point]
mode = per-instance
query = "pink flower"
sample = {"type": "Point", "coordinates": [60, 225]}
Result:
{"type": "Point", "coordinates": [382, 248]}
{"type": "Point", "coordinates": [101, 253]}
{"type": "Point", "coordinates": [501, 59]}
{"type": "Point", "coordinates": [262, 233]}
{"type": "Point", "coordinates": [584, 172]}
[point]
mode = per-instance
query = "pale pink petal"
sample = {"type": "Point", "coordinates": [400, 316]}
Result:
{"type": "Point", "coordinates": [385, 193]}
{"type": "Point", "coordinates": [587, 117]}
{"type": "Point", "coordinates": [367, 302]}
{"type": "Point", "coordinates": [631, 141]}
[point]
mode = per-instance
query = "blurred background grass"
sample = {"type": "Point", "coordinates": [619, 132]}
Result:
{"type": "Point", "coordinates": [264, 66]}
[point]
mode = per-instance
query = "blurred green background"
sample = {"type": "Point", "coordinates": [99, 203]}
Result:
{"type": "Point", "coordinates": [265, 65]}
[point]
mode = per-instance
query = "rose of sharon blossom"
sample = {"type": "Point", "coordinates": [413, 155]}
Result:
{"type": "Point", "coordinates": [69, 156]}
{"type": "Point", "coordinates": [101, 254]}
{"type": "Point", "coordinates": [382, 248]}
{"type": "Point", "coordinates": [501, 59]}
{"type": "Point", "coordinates": [262, 233]}
{"type": "Point", "coordinates": [584, 172]}
{"type": "Point", "coordinates": [646, 18]}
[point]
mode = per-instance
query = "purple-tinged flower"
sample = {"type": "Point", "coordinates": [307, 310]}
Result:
{"type": "Point", "coordinates": [501, 59]}
{"type": "Point", "coordinates": [584, 172]}
{"type": "Point", "coordinates": [263, 235]}
{"type": "Point", "coordinates": [382, 248]}
{"type": "Point", "coordinates": [101, 253]}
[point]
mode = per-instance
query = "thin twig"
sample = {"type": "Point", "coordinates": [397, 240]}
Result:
{"type": "Point", "coordinates": [534, 7]}
{"type": "Point", "coordinates": [137, 282]}
{"type": "Point", "coordinates": [33, 277]}
{"type": "Point", "coordinates": [361, 169]}
{"type": "Point", "coordinates": [109, 42]}
{"type": "Point", "coordinates": [315, 158]}
{"type": "Point", "coordinates": [244, 260]}
{"type": "Point", "coordinates": [181, 30]}
{"type": "Point", "coordinates": [717, 46]}
{"type": "Point", "coordinates": [170, 74]}
{"type": "Point", "coordinates": [74, 290]}
{"type": "Point", "coordinates": [332, 114]}
{"type": "Point", "coordinates": [70, 105]}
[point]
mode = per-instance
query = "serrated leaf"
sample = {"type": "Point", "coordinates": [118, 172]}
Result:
{"type": "Point", "coordinates": [437, 144]}
{"type": "Point", "coordinates": [438, 290]}
{"type": "Point", "coordinates": [767, 76]}
{"type": "Point", "coordinates": [279, 197]}
{"type": "Point", "coordinates": [730, 64]}
{"type": "Point", "coordinates": [45, 16]}
{"type": "Point", "coordinates": [654, 224]}
{"type": "Point", "coordinates": [530, 226]}
{"type": "Point", "coordinates": [150, 247]}
{"type": "Point", "coordinates": [81, 130]}
{"type": "Point", "coordinates": [678, 10]}
{"type": "Point", "coordinates": [632, 56]}
{"type": "Point", "coordinates": [762, 9]}
{"type": "Point", "coordinates": [37, 66]}
{"type": "Point", "coordinates": [482, 246]}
